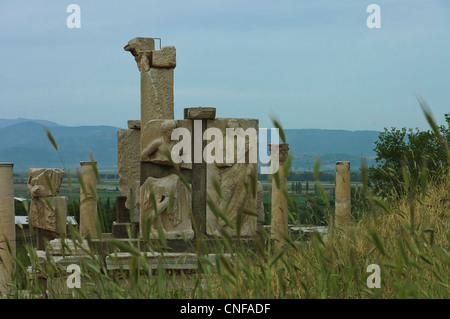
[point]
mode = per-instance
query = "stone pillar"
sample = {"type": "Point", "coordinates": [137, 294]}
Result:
{"type": "Point", "coordinates": [157, 69]}
{"type": "Point", "coordinates": [88, 201]}
{"type": "Point", "coordinates": [342, 200]}
{"type": "Point", "coordinates": [279, 223]}
{"type": "Point", "coordinates": [7, 224]}
{"type": "Point", "coordinates": [199, 117]}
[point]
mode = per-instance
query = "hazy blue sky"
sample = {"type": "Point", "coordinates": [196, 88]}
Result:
{"type": "Point", "coordinates": [315, 64]}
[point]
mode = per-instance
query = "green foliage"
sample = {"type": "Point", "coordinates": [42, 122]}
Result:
{"type": "Point", "coordinates": [409, 158]}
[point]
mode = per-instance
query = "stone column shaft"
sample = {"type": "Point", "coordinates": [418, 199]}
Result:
{"type": "Point", "coordinates": [157, 95]}
{"type": "Point", "coordinates": [279, 222]}
{"type": "Point", "coordinates": [7, 224]}
{"type": "Point", "coordinates": [88, 201]}
{"type": "Point", "coordinates": [342, 200]}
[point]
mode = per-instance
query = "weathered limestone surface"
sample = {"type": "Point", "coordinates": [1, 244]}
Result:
{"type": "Point", "coordinates": [178, 261]}
{"type": "Point", "coordinates": [172, 207]}
{"type": "Point", "coordinates": [157, 94]}
{"type": "Point", "coordinates": [39, 186]}
{"type": "Point", "coordinates": [88, 202]}
{"type": "Point", "coordinates": [279, 223]}
{"type": "Point", "coordinates": [56, 248]}
{"type": "Point", "coordinates": [7, 224]}
{"type": "Point", "coordinates": [342, 202]}
{"type": "Point", "coordinates": [231, 178]}
{"type": "Point", "coordinates": [128, 166]}
{"type": "Point", "coordinates": [49, 213]}
{"type": "Point", "coordinates": [164, 58]}
{"type": "Point", "coordinates": [199, 113]}
{"type": "Point", "coordinates": [156, 142]}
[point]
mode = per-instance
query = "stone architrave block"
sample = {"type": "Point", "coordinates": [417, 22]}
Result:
{"type": "Point", "coordinates": [200, 113]}
{"type": "Point", "coordinates": [49, 213]}
{"type": "Point", "coordinates": [128, 165]}
{"type": "Point", "coordinates": [164, 58]}
{"type": "Point", "coordinates": [38, 185]}
{"type": "Point", "coordinates": [232, 179]}
{"type": "Point", "coordinates": [157, 143]}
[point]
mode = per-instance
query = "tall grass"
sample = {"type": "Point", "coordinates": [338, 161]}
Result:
{"type": "Point", "coordinates": [408, 238]}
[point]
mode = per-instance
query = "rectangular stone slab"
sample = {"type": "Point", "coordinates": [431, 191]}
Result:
{"type": "Point", "coordinates": [200, 113]}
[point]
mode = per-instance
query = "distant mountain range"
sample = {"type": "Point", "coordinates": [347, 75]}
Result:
{"type": "Point", "coordinates": [25, 143]}
{"type": "Point", "coordinates": [306, 145]}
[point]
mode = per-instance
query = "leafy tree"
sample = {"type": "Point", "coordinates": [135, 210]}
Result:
{"type": "Point", "coordinates": [409, 158]}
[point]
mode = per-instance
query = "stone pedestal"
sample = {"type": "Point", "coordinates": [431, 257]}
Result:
{"type": "Point", "coordinates": [279, 223]}
{"type": "Point", "coordinates": [88, 200]}
{"type": "Point", "coordinates": [7, 225]}
{"type": "Point", "coordinates": [342, 201]}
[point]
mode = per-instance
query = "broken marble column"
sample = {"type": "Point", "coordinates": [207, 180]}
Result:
{"type": "Point", "coordinates": [7, 225]}
{"type": "Point", "coordinates": [279, 223]}
{"type": "Point", "coordinates": [88, 200]}
{"type": "Point", "coordinates": [342, 200]}
{"type": "Point", "coordinates": [48, 212]}
{"type": "Point", "coordinates": [128, 165]}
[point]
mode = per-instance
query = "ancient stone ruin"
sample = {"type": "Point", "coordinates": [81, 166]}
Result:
{"type": "Point", "coordinates": [48, 211]}
{"type": "Point", "coordinates": [183, 202]}
{"type": "Point", "coordinates": [148, 176]}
